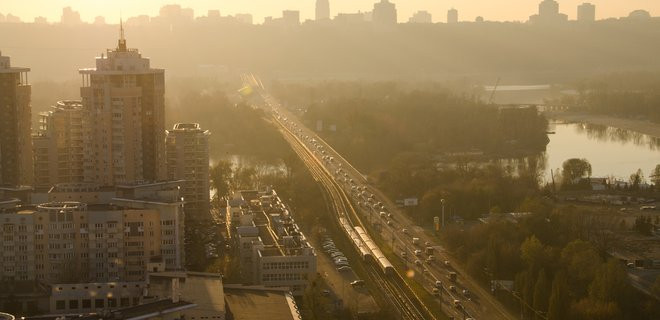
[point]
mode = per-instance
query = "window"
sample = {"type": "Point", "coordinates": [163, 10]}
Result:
{"type": "Point", "coordinates": [112, 302]}
{"type": "Point", "coordinates": [73, 304]}
{"type": "Point", "coordinates": [99, 303]}
{"type": "Point", "coordinates": [60, 305]}
{"type": "Point", "coordinates": [124, 302]}
{"type": "Point", "coordinates": [87, 304]}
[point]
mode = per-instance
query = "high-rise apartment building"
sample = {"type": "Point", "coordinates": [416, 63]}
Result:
{"type": "Point", "coordinates": [586, 12]}
{"type": "Point", "coordinates": [124, 118]}
{"type": "Point", "coordinates": [384, 13]}
{"type": "Point", "coordinates": [16, 167]}
{"type": "Point", "coordinates": [58, 145]}
{"type": "Point", "coordinates": [548, 13]}
{"type": "Point", "coordinates": [291, 17]}
{"type": "Point", "coordinates": [322, 10]}
{"type": "Point", "coordinates": [188, 160]}
{"type": "Point", "coordinates": [421, 17]}
{"type": "Point", "coordinates": [452, 16]}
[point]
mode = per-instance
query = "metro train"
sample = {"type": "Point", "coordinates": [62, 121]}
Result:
{"type": "Point", "coordinates": [384, 264]}
{"type": "Point", "coordinates": [355, 239]}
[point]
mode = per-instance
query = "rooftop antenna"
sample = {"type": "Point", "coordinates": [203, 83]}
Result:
{"type": "Point", "coordinates": [122, 40]}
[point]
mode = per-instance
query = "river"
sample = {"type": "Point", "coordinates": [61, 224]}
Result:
{"type": "Point", "coordinates": [611, 151]}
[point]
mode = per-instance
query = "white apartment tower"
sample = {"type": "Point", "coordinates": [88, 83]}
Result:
{"type": "Point", "coordinates": [188, 160]}
{"type": "Point", "coordinates": [124, 118]}
{"type": "Point", "coordinates": [322, 10]}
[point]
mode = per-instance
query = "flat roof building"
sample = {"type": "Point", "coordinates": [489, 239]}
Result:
{"type": "Point", "coordinates": [273, 251]}
{"type": "Point", "coordinates": [58, 145]}
{"type": "Point", "coordinates": [16, 167]}
{"type": "Point", "coordinates": [384, 13]}
{"type": "Point", "coordinates": [188, 160]}
{"type": "Point", "coordinates": [586, 12]}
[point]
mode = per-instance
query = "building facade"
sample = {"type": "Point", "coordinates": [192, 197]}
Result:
{"type": "Point", "coordinates": [73, 242]}
{"type": "Point", "coordinates": [385, 13]}
{"type": "Point", "coordinates": [273, 251]}
{"type": "Point", "coordinates": [452, 16]}
{"type": "Point", "coordinates": [421, 17]}
{"type": "Point", "coordinates": [188, 159]}
{"type": "Point", "coordinates": [586, 12]}
{"type": "Point", "coordinates": [322, 10]}
{"type": "Point", "coordinates": [58, 145]}
{"type": "Point", "coordinates": [124, 118]}
{"type": "Point", "coordinates": [548, 14]}
{"type": "Point", "coordinates": [16, 167]}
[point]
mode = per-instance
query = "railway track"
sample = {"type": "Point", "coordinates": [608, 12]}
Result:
{"type": "Point", "coordinates": [398, 294]}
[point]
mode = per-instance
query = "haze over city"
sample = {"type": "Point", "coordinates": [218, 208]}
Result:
{"type": "Point", "coordinates": [501, 10]}
{"type": "Point", "coordinates": [330, 159]}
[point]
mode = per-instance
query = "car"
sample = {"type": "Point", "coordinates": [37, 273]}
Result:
{"type": "Point", "coordinates": [389, 222]}
{"type": "Point", "coordinates": [357, 283]}
{"type": "Point", "coordinates": [438, 284]}
{"type": "Point", "coordinates": [326, 292]}
{"type": "Point", "coordinates": [383, 214]}
{"type": "Point", "coordinates": [447, 263]}
{"type": "Point", "coordinates": [341, 259]}
{"type": "Point", "coordinates": [466, 293]}
{"type": "Point", "coordinates": [436, 291]}
{"type": "Point", "coordinates": [430, 258]}
{"type": "Point", "coordinates": [418, 252]}
{"type": "Point", "coordinates": [336, 254]}
{"type": "Point", "coordinates": [457, 304]}
{"type": "Point", "coordinates": [452, 288]}
{"type": "Point", "coordinates": [389, 215]}
{"type": "Point", "coordinates": [341, 263]}
{"type": "Point", "coordinates": [403, 254]}
{"type": "Point", "coordinates": [404, 231]}
{"type": "Point", "coordinates": [344, 269]}
{"type": "Point", "coordinates": [417, 262]}
{"type": "Point", "coordinates": [427, 244]}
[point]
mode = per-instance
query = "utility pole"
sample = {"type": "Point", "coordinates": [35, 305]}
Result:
{"type": "Point", "coordinates": [442, 201]}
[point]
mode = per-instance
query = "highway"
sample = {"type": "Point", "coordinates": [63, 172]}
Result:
{"type": "Point", "coordinates": [474, 303]}
{"type": "Point", "coordinates": [392, 286]}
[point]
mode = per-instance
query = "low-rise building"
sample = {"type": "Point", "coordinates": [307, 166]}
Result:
{"type": "Point", "coordinates": [257, 302]}
{"type": "Point", "coordinates": [273, 251]}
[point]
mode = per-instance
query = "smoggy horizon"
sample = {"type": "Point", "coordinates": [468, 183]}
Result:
{"type": "Point", "coordinates": [504, 10]}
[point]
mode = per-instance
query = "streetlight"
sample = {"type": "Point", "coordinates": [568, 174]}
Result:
{"type": "Point", "coordinates": [442, 201]}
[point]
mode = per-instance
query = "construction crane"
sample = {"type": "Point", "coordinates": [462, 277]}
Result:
{"type": "Point", "coordinates": [492, 93]}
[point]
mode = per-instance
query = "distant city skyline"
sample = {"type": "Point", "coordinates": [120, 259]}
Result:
{"type": "Point", "coordinates": [503, 10]}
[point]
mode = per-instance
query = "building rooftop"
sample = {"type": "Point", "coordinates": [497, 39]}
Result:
{"type": "Point", "coordinates": [248, 303]}
{"type": "Point", "coordinates": [151, 310]}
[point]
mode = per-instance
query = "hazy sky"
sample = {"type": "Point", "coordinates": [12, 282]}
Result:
{"type": "Point", "coordinates": [511, 10]}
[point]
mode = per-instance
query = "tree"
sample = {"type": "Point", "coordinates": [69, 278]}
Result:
{"type": "Point", "coordinates": [220, 176]}
{"type": "Point", "coordinates": [581, 261]}
{"type": "Point", "coordinates": [574, 169]}
{"type": "Point", "coordinates": [560, 299]}
{"type": "Point", "coordinates": [541, 293]}
{"type": "Point", "coordinates": [655, 175]}
{"type": "Point", "coordinates": [532, 253]}
{"type": "Point", "coordinates": [636, 179]}
{"type": "Point", "coordinates": [610, 283]}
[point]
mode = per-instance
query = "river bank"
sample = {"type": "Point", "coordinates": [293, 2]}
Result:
{"type": "Point", "coordinates": [641, 126]}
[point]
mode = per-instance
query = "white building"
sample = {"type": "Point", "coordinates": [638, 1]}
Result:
{"type": "Point", "coordinates": [273, 250]}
